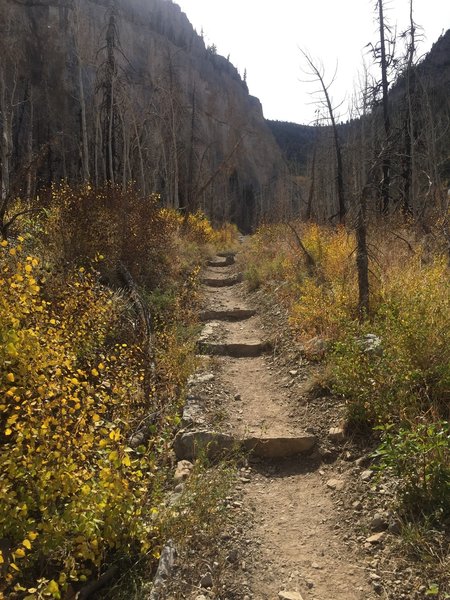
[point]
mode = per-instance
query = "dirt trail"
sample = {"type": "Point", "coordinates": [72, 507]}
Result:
{"type": "Point", "coordinates": [297, 541]}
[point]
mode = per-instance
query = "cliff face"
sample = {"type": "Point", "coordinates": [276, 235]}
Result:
{"type": "Point", "coordinates": [126, 90]}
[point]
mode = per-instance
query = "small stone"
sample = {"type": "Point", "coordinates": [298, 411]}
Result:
{"type": "Point", "coordinates": [357, 505]}
{"type": "Point", "coordinates": [366, 475]}
{"type": "Point", "coordinates": [315, 566]}
{"type": "Point", "coordinates": [183, 470]}
{"type": "Point", "coordinates": [336, 484]}
{"type": "Point", "coordinates": [201, 597]}
{"type": "Point", "coordinates": [378, 523]}
{"type": "Point", "coordinates": [290, 595]}
{"type": "Point", "coordinates": [395, 527]}
{"type": "Point", "coordinates": [293, 373]}
{"type": "Point", "coordinates": [336, 434]}
{"type": "Point", "coordinates": [309, 583]}
{"type": "Point", "coordinates": [237, 397]}
{"type": "Point", "coordinates": [233, 556]}
{"type": "Point", "coordinates": [376, 538]}
{"type": "Point", "coordinates": [206, 581]}
{"type": "Point", "coordinates": [374, 577]}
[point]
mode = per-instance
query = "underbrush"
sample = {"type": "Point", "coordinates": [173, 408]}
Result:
{"type": "Point", "coordinates": [98, 304]}
{"type": "Point", "coordinates": [392, 368]}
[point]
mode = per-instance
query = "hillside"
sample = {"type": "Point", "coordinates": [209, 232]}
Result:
{"type": "Point", "coordinates": [98, 90]}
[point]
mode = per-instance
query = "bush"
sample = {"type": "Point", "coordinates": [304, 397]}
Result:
{"type": "Point", "coordinates": [419, 456]}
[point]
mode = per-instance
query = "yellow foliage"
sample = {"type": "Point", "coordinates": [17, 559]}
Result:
{"type": "Point", "coordinates": [71, 489]}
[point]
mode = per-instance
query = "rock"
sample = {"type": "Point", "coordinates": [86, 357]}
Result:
{"type": "Point", "coordinates": [395, 527]}
{"type": "Point", "coordinates": [293, 373]}
{"type": "Point", "coordinates": [336, 484]}
{"type": "Point", "coordinates": [205, 378]}
{"type": "Point", "coordinates": [222, 281]}
{"type": "Point", "coordinates": [366, 475]}
{"type": "Point", "coordinates": [290, 595]}
{"type": "Point", "coordinates": [371, 343]}
{"type": "Point", "coordinates": [378, 523]}
{"type": "Point", "coordinates": [376, 538]}
{"type": "Point", "coordinates": [238, 350]}
{"type": "Point", "coordinates": [206, 581]}
{"type": "Point", "coordinates": [233, 314]}
{"type": "Point", "coordinates": [233, 556]}
{"type": "Point", "coordinates": [183, 470]}
{"type": "Point", "coordinates": [201, 597]}
{"type": "Point", "coordinates": [188, 445]}
{"type": "Point", "coordinates": [280, 447]}
{"type": "Point", "coordinates": [228, 260]}
{"type": "Point", "coordinates": [336, 434]}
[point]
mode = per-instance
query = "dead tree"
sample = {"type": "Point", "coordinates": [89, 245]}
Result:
{"type": "Point", "coordinates": [316, 73]}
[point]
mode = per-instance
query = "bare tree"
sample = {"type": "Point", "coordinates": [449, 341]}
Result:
{"type": "Point", "coordinates": [317, 74]}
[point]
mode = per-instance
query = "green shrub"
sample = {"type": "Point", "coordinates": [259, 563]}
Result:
{"type": "Point", "coordinates": [419, 456]}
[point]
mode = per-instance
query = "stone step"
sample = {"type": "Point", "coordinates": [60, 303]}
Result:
{"type": "Point", "coordinates": [223, 281]}
{"type": "Point", "coordinates": [188, 445]}
{"type": "Point", "coordinates": [230, 314]}
{"type": "Point", "coordinates": [279, 447]}
{"type": "Point", "coordinates": [226, 253]}
{"type": "Point", "coordinates": [226, 262]}
{"type": "Point", "coordinates": [235, 350]}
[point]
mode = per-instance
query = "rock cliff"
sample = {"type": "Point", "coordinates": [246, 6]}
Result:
{"type": "Point", "coordinates": [126, 90]}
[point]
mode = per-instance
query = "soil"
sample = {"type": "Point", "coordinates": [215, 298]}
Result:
{"type": "Point", "coordinates": [305, 526]}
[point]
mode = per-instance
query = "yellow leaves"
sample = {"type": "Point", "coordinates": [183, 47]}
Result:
{"type": "Point", "coordinates": [96, 417]}
{"type": "Point", "coordinates": [32, 535]}
{"type": "Point", "coordinates": [101, 366]}
{"type": "Point", "coordinates": [27, 544]}
{"type": "Point", "coordinates": [95, 373]}
{"type": "Point", "coordinates": [53, 589]}
{"type": "Point", "coordinates": [3, 243]}
{"type": "Point", "coordinates": [126, 461]}
{"type": "Point", "coordinates": [10, 377]}
{"type": "Point", "coordinates": [115, 435]}
{"type": "Point", "coordinates": [19, 553]}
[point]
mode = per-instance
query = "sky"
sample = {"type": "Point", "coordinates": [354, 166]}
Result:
{"type": "Point", "coordinates": [263, 38]}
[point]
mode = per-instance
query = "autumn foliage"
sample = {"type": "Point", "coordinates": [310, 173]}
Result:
{"type": "Point", "coordinates": [77, 380]}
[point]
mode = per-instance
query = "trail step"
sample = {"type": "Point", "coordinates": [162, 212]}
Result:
{"type": "Point", "coordinates": [188, 445]}
{"type": "Point", "coordinates": [226, 262]}
{"type": "Point", "coordinates": [279, 447]}
{"type": "Point", "coordinates": [231, 314]}
{"type": "Point", "coordinates": [223, 281]}
{"type": "Point", "coordinates": [236, 350]}
{"type": "Point", "coordinates": [226, 254]}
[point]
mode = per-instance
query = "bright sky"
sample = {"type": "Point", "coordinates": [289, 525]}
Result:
{"type": "Point", "coordinates": [264, 36]}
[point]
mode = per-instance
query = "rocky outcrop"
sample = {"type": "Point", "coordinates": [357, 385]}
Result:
{"type": "Point", "coordinates": [127, 90]}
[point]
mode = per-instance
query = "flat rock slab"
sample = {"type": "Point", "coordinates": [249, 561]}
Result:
{"type": "Point", "coordinates": [222, 281]}
{"type": "Point", "coordinates": [279, 447]}
{"type": "Point", "coordinates": [224, 262]}
{"type": "Point", "coordinates": [188, 445]}
{"type": "Point", "coordinates": [226, 254]}
{"type": "Point", "coordinates": [231, 314]}
{"type": "Point", "coordinates": [235, 350]}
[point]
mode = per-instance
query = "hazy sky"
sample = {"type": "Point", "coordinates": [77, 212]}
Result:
{"type": "Point", "coordinates": [264, 36]}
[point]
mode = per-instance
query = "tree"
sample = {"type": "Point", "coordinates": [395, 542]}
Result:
{"type": "Point", "coordinates": [383, 52]}
{"type": "Point", "coordinates": [317, 74]}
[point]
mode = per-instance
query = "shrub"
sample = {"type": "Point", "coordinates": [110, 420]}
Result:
{"type": "Point", "coordinates": [72, 491]}
{"type": "Point", "coordinates": [419, 456]}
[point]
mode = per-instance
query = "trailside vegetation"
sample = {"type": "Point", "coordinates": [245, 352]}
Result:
{"type": "Point", "coordinates": [98, 304]}
{"type": "Point", "coordinates": [391, 367]}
